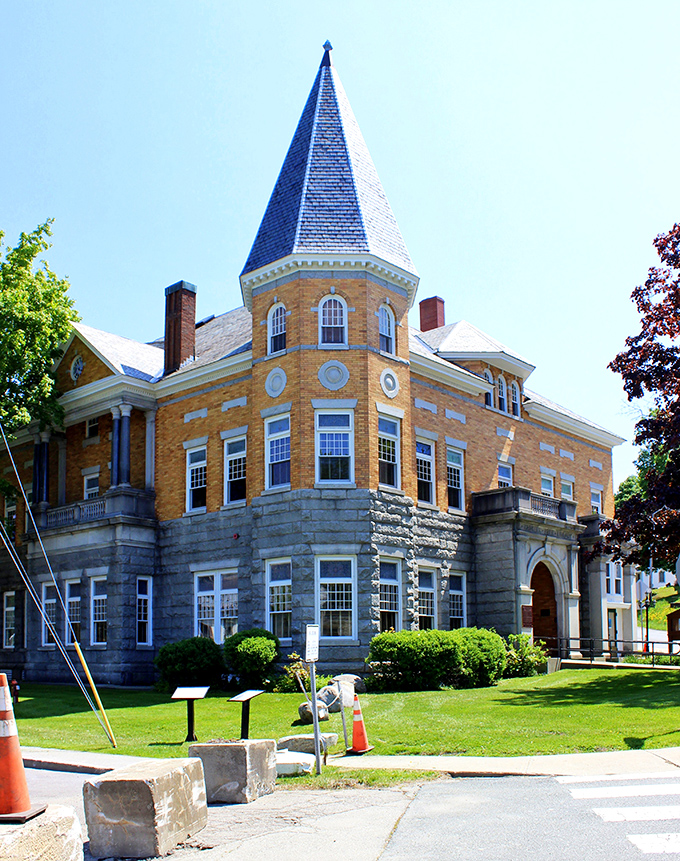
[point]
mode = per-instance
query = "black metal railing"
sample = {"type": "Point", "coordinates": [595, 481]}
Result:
{"type": "Point", "coordinates": [597, 650]}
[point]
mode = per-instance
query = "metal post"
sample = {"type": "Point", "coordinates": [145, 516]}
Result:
{"type": "Point", "coordinates": [245, 718]}
{"type": "Point", "coordinates": [342, 712]}
{"type": "Point", "coordinates": [315, 716]}
{"type": "Point", "coordinates": [191, 735]}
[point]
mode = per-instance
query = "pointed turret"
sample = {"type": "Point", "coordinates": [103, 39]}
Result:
{"type": "Point", "coordinates": [328, 199]}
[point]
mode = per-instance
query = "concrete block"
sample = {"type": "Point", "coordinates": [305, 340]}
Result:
{"type": "Point", "coordinates": [145, 810]}
{"type": "Point", "coordinates": [305, 743]}
{"type": "Point", "coordinates": [293, 762]}
{"type": "Point", "coordinates": [55, 835]}
{"type": "Point", "coordinates": [237, 772]}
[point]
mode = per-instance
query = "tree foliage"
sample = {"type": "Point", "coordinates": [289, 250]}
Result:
{"type": "Point", "coordinates": [649, 513]}
{"type": "Point", "coordinates": [36, 315]}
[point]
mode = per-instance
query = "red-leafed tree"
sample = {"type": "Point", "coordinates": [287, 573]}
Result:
{"type": "Point", "coordinates": [650, 365]}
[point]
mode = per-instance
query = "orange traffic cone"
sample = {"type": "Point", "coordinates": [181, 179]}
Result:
{"type": "Point", "coordinates": [359, 740]}
{"type": "Point", "coordinates": [15, 804]}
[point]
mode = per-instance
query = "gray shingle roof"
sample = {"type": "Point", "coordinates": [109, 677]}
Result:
{"type": "Point", "coordinates": [328, 197]}
{"type": "Point", "coordinates": [142, 361]}
{"type": "Point", "coordinates": [463, 337]}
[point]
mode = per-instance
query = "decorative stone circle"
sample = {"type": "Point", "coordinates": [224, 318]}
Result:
{"type": "Point", "coordinates": [275, 382]}
{"type": "Point", "coordinates": [389, 383]}
{"type": "Point", "coordinates": [333, 375]}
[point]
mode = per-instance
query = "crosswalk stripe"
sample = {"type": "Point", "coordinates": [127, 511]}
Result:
{"type": "Point", "coordinates": [638, 814]}
{"type": "Point", "coordinates": [626, 791]}
{"type": "Point", "coordinates": [661, 843]}
{"type": "Point", "coordinates": [601, 778]}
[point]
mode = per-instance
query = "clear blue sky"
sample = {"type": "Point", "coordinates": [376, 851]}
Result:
{"type": "Point", "coordinates": [528, 150]}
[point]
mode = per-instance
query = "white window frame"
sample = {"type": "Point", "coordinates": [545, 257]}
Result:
{"type": "Point", "coordinates": [274, 437]}
{"type": "Point", "coordinates": [596, 501]}
{"type": "Point", "coordinates": [90, 489]}
{"type": "Point", "coordinates": [504, 481]}
{"type": "Point", "coordinates": [547, 485]}
{"type": "Point", "coordinates": [515, 399]}
{"type": "Point", "coordinates": [452, 452]}
{"type": "Point", "coordinates": [489, 396]}
{"type": "Point", "coordinates": [338, 431]}
{"type": "Point", "coordinates": [224, 595]}
{"type": "Point", "coordinates": [92, 428]}
{"type": "Point", "coordinates": [280, 599]}
{"type": "Point", "coordinates": [342, 328]}
{"type": "Point", "coordinates": [276, 327]}
{"type": "Point", "coordinates": [238, 460]}
{"type": "Point", "coordinates": [387, 330]}
{"type": "Point", "coordinates": [73, 602]}
{"type": "Point", "coordinates": [426, 459]}
{"type": "Point", "coordinates": [319, 581]}
{"type": "Point", "coordinates": [459, 594]}
{"type": "Point", "coordinates": [428, 593]}
{"type": "Point", "coordinates": [99, 612]}
{"type": "Point", "coordinates": [144, 608]}
{"type": "Point", "coordinates": [49, 606]}
{"type": "Point", "coordinates": [9, 613]}
{"type": "Point", "coordinates": [395, 440]}
{"type": "Point", "coordinates": [502, 395]}
{"type": "Point", "coordinates": [192, 468]}
{"type": "Point", "coordinates": [390, 593]}
{"type": "Point", "coordinates": [563, 483]}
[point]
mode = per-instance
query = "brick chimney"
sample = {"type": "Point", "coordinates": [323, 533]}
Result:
{"type": "Point", "coordinates": [180, 324]}
{"type": "Point", "coordinates": [431, 313]}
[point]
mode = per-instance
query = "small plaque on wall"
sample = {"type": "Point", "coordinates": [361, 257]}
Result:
{"type": "Point", "coordinates": [527, 616]}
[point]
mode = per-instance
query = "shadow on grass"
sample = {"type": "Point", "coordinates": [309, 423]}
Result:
{"type": "Point", "coordinates": [38, 700]}
{"type": "Point", "coordinates": [635, 743]}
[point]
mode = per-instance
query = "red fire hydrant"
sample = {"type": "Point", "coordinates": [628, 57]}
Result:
{"type": "Point", "coordinates": [15, 688]}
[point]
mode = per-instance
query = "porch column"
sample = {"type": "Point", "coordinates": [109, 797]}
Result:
{"type": "Point", "coordinates": [44, 467]}
{"type": "Point", "coordinates": [115, 446]}
{"type": "Point", "coordinates": [61, 472]}
{"type": "Point", "coordinates": [125, 410]}
{"type": "Point", "coordinates": [150, 460]}
{"type": "Point", "coordinates": [36, 468]}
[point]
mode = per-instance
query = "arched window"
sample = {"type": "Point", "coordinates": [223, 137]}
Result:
{"type": "Point", "coordinates": [277, 328]}
{"type": "Point", "coordinates": [332, 321]}
{"type": "Point", "coordinates": [386, 328]}
{"type": "Point", "coordinates": [502, 396]}
{"type": "Point", "coordinates": [488, 396]}
{"type": "Point", "coordinates": [515, 398]}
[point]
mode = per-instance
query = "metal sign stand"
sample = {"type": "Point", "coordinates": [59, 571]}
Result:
{"type": "Point", "coordinates": [245, 699]}
{"type": "Point", "coordinates": [190, 695]}
{"type": "Point", "coordinates": [311, 657]}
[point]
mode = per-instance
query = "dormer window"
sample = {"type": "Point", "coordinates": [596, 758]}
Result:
{"type": "Point", "coordinates": [514, 389]}
{"type": "Point", "coordinates": [386, 328]}
{"type": "Point", "coordinates": [333, 321]}
{"type": "Point", "coordinates": [277, 328]}
{"type": "Point", "coordinates": [488, 396]}
{"type": "Point", "coordinates": [502, 396]}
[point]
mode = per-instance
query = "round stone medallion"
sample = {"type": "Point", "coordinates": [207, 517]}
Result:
{"type": "Point", "coordinates": [275, 382]}
{"type": "Point", "coordinates": [389, 383]}
{"type": "Point", "coordinates": [333, 375]}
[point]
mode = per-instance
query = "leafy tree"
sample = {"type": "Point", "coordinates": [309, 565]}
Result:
{"type": "Point", "coordinates": [649, 514]}
{"type": "Point", "coordinates": [36, 315]}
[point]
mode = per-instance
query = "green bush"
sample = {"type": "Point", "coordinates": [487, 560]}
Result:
{"type": "Point", "coordinates": [524, 658]}
{"type": "Point", "coordinates": [482, 657]}
{"type": "Point", "coordinates": [657, 660]}
{"type": "Point", "coordinates": [196, 661]}
{"type": "Point", "coordinates": [287, 684]}
{"type": "Point", "coordinates": [250, 655]}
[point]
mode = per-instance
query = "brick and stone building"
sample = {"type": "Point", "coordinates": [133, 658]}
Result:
{"type": "Point", "coordinates": [308, 457]}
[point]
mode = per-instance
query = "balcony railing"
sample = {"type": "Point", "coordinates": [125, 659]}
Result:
{"type": "Point", "coordinates": [521, 499]}
{"type": "Point", "coordinates": [119, 501]}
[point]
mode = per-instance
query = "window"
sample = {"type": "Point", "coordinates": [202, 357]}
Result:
{"type": "Point", "coordinates": [196, 478]}
{"type": "Point", "coordinates": [386, 327]}
{"type": "Point", "coordinates": [277, 329]}
{"type": "Point", "coordinates": [389, 596]}
{"type": "Point", "coordinates": [336, 597]}
{"type": "Point", "coordinates": [456, 601]}
{"type": "Point", "coordinates": [278, 451]}
{"type": "Point", "coordinates": [28, 490]}
{"type": "Point", "coordinates": [8, 620]}
{"type": "Point", "coordinates": [280, 597]}
{"type": "Point", "coordinates": [98, 615]}
{"type": "Point", "coordinates": [11, 517]}
{"type": "Point", "coordinates": [234, 470]}
{"type": "Point", "coordinates": [514, 389]}
{"type": "Point", "coordinates": [388, 451]}
{"type": "Point", "coordinates": [334, 446]}
{"type": "Point", "coordinates": [91, 490]}
{"type": "Point", "coordinates": [596, 501]}
{"type": "Point", "coordinates": [454, 479]}
{"type": "Point", "coordinates": [73, 608]}
{"type": "Point", "coordinates": [488, 396]}
{"type": "Point", "coordinates": [92, 428]}
{"type": "Point", "coordinates": [49, 603]}
{"type": "Point", "coordinates": [614, 578]}
{"type": "Point", "coordinates": [425, 470]}
{"type": "Point", "coordinates": [547, 485]}
{"type": "Point", "coordinates": [504, 475]}
{"type": "Point", "coordinates": [333, 321]}
{"type": "Point", "coordinates": [216, 605]}
{"type": "Point", "coordinates": [426, 600]}
{"type": "Point", "coordinates": [502, 396]}
{"type": "Point", "coordinates": [144, 590]}
{"type": "Point", "coordinates": [566, 489]}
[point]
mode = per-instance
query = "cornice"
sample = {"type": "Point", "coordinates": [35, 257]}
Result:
{"type": "Point", "coordinates": [450, 375]}
{"type": "Point", "coordinates": [326, 263]}
{"type": "Point", "coordinates": [571, 425]}
{"type": "Point", "coordinates": [512, 365]}
{"type": "Point", "coordinates": [192, 378]}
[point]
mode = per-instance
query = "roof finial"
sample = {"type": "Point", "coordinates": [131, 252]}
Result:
{"type": "Point", "coordinates": [327, 47]}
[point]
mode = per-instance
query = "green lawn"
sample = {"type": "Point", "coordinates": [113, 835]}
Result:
{"type": "Point", "coordinates": [565, 712]}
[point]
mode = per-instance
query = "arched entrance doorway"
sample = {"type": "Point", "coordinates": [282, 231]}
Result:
{"type": "Point", "coordinates": [544, 606]}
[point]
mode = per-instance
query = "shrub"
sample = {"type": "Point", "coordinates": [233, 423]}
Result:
{"type": "Point", "coordinates": [523, 657]}
{"type": "Point", "coordinates": [482, 657]}
{"type": "Point", "coordinates": [250, 654]}
{"type": "Point", "coordinates": [286, 684]}
{"type": "Point", "coordinates": [414, 660]}
{"type": "Point", "coordinates": [196, 661]}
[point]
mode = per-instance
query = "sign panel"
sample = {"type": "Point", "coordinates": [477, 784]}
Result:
{"type": "Point", "coordinates": [312, 644]}
{"type": "Point", "coordinates": [527, 616]}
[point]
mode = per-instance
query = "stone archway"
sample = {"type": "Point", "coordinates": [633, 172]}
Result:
{"type": "Point", "coordinates": [544, 606]}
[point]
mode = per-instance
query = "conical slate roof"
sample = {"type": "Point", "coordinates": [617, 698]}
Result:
{"type": "Point", "coordinates": [328, 198]}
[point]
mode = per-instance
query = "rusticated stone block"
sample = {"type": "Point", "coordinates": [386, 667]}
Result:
{"type": "Point", "coordinates": [145, 810]}
{"type": "Point", "coordinates": [305, 743]}
{"type": "Point", "coordinates": [237, 772]}
{"type": "Point", "coordinates": [55, 835]}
